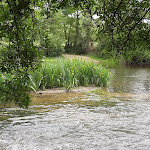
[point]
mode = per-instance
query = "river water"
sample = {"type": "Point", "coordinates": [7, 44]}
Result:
{"type": "Point", "coordinates": [77, 121]}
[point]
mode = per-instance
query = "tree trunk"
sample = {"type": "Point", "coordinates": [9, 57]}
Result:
{"type": "Point", "coordinates": [77, 30]}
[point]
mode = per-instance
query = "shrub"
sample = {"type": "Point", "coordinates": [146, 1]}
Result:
{"type": "Point", "coordinates": [52, 46]}
{"type": "Point", "coordinates": [138, 55]}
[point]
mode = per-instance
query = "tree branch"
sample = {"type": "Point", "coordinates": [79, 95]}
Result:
{"type": "Point", "coordinates": [128, 36]}
{"type": "Point", "coordinates": [118, 7]}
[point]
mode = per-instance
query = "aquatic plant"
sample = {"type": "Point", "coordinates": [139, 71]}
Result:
{"type": "Point", "coordinates": [68, 73]}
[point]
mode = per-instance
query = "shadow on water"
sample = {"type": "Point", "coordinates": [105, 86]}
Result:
{"type": "Point", "coordinates": [116, 119]}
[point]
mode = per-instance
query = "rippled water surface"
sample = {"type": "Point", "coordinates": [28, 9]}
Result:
{"type": "Point", "coordinates": [75, 121]}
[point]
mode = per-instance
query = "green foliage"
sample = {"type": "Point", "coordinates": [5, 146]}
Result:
{"type": "Point", "coordinates": [99, 91]}
{"type": "Point", "coordinates": [79, 42]}
{"type": "Point", "coordinates": [52, 46]}
{"type": "Point", "coordinates": [66, 73]}
{"type": "Point", "coordinates": [18, 54]}
{"type": "Point", "coordinates": [110, 63]}
{"type": "Point", "coordinates": [13, 89]}
{"type": "Point", "coordinates": [80, 48]}
{"type": "Point", "coordinates": [103, 50]}
{"type": "Point", "coordinates": [52, 39]}
{"type": "Point", "coordinates": [121, 28]}
{"type": "Point", "coordinates": [139, 55]}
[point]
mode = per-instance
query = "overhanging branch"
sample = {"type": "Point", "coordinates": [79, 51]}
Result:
{"type": "Point", "coordinates": [128, 35]}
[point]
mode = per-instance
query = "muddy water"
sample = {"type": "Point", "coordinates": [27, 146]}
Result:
{"type": "Point", "coordinates": [77, 121]}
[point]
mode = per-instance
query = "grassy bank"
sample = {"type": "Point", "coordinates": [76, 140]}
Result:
{"type": "Point", "coordinates": [68, 73]}
{"type": "Point", "coordinates": [49, 59]}
{"type": "Point", "coordinates": [111, 63]}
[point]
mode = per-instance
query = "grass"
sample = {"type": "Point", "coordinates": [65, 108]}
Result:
{"type": "Point", "coordinates": [111, 63]}
{"type": "Point", "coordinates": [49, 59]}
{"type": "Point", "coordinates": [63, 72]}
{"type": "Point", "coordinates": [68, 73]}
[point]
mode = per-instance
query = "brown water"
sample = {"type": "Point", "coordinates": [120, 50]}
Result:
{"type": "Point", "coordinates": [77, 121]}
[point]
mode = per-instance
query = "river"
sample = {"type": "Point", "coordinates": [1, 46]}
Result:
{"type": "Point", "coordinates": [77, 121]}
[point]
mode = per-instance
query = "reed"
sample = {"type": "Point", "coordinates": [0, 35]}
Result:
{"type": "Point", "coordinates": [68, 73]}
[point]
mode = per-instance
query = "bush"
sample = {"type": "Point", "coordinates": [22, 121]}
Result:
{"type": "Point", "coordinates": [138, 55]}
{"type": "Point", "coordinates": [103, 50]}
{"type": "Point", "coordinates": [52, 46]}
{"type": "Point", "coordinates": [78, 49]}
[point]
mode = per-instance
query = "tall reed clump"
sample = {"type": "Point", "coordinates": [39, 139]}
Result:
{"type": "Point", "coordinates": [68, 73]}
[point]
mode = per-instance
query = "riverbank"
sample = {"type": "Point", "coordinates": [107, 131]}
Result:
{"type": "Point", "coordinates": [80, 89]}
{"type": "Point", "coordinates": [110, 63]}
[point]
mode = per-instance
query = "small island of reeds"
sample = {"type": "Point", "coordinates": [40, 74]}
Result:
{"type": "Point", "coordinates": [68, 73]}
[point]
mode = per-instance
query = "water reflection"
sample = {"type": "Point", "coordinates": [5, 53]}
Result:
{"type": "Point", "coordinates": [131, 80]}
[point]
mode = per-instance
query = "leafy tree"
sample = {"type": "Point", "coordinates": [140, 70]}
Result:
{"type": "Point", "coordinates": [121, 23]}
{"type": "Point", "coordinates": [19, 55]}
{"type": "Point", "coordinates": [52, 35]}
{"type": "Point", "coordinates": [79, 33]}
